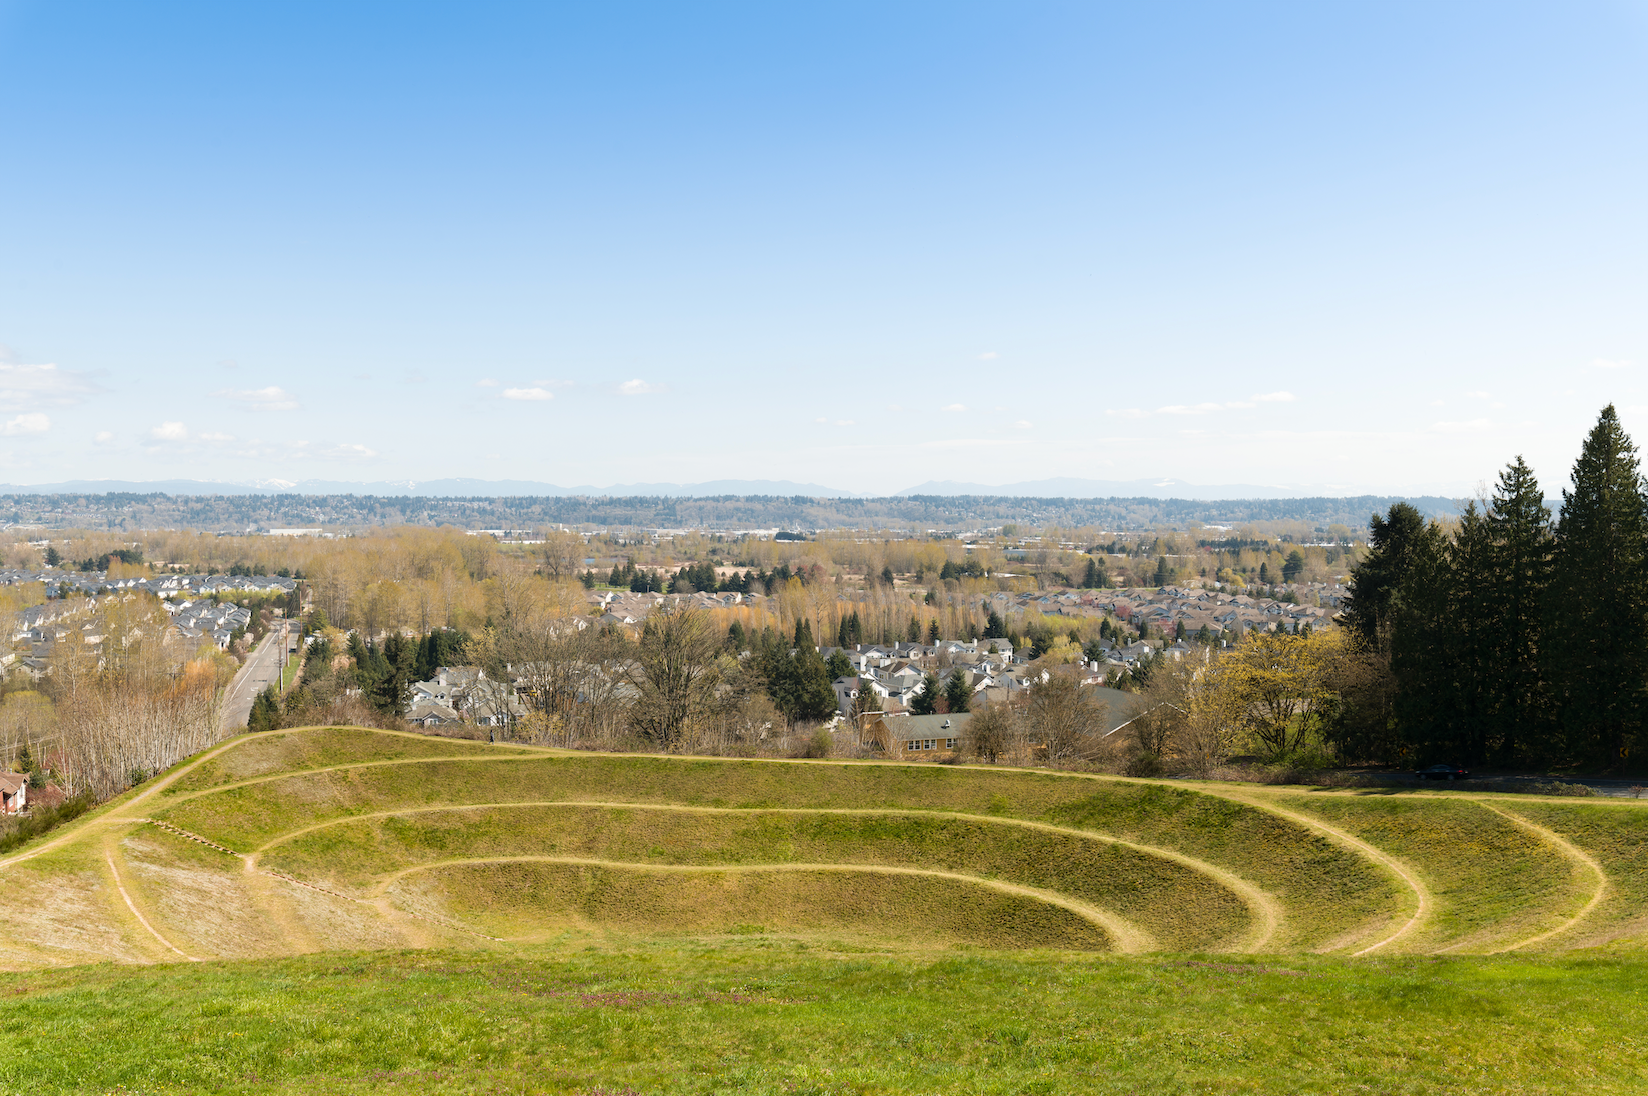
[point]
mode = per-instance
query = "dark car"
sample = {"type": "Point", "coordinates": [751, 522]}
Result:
{"type": "Point", "coordinates": [1443, 772]}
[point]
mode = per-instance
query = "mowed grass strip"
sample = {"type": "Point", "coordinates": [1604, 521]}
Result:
{"type": "Point", "coordinates": [1329, 894]}
{"type": "Point", "coordinates": [765, 1015]}
{"type": "Point", "coordinates": [533, 899]}
{"type": "Point", "coordinates": [1616, 834]}
{"type": "Point", "coordinates": [1183, 909]}
{"type": "Point", "coordinates": [1493, 881]}
{"type": "Point", "coordinates": [318, 748]}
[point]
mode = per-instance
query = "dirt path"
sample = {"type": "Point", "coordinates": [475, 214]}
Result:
{"type": "Point", "coordinates": [1129, 938]}
{"type": "Point", "coordinates": [120, 886]}
{"type": "Point", "coordinates": [1572, 852]}
{"type": "Point", "coordinates": [1266, 910]}
{"type": "Point", "coordinates": [1422, 895]}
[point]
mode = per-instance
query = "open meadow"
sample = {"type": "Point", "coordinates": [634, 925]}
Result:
{"type": "Point", "coordinates": [342, 909]}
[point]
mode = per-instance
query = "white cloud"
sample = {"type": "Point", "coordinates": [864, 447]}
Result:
{"type": "Point", "coordinates": [488, 383]}
{"type": "Point", "coordinates": [636, 387]}
{"type": "Point", "coordinates": [169, 431]}
{"type": "Point", "coordinates": [32, 423]}
{"type": "Point", "coordinates": [1022, 424]}
{"type": "Point", "coordinates": [528, 394]}
{"type": "Point", "coordinates": [988, 356]}
{"type": "Point", "coordinates": [349, 452]}
{"type": "Point", "coordinates": [1610, 363]}
{"type": "Point", "coordinates": [821, 419]}
{"type": "Point", "coordinates": [1128, 413]}
{"type": "Point", "coordinates": [104, 436]}
{"type": "Point", "coordinates": [24, 386]}
{"type": "Point", "coordinates": [844, 422]}
{"type": "Point", "coordinates": [1478, 396]}
{"type": "Point", "coordinates": [1471, 426]}
{"type": "Point", "coordinates": [956, 407]}
{"type": "Point", "coordinates": [1274, 397]}
{"type": "Point", "coordinates": [217, 437]}
{"type": "Point", "coordinates": [1190, 409]}
{"type": "Point", "coordinates": [272, 398]}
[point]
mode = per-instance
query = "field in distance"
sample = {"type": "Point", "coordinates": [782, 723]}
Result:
{"type": "Point", "coordinates": [633, 887]}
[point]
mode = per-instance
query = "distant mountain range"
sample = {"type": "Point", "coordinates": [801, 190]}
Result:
{"type": "Point", "coordinates": [1065, 487]}
{"type": "Point", "coordinates": [1055, 488]}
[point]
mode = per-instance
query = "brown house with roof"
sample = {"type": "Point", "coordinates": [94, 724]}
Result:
{"type": "Point", "coordinates": [14, 792]}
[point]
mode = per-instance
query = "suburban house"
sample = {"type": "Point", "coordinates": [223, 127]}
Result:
{"type": "Point", "coordinates": [915, 737]}
{"type": "Point", "coordinates": [14, 792]}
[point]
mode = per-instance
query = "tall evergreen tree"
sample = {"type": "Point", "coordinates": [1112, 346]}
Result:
{"type": "Point", "coordinates": [1376, 581]}
{"type": "Point", "coordinates": [1597, 656]}
{"type": "Point", "coordinates": [1417, 629]}
{"type": "Point", "coordinates": [1516, 698]}
{"type": "Point", "coordinates": [926, 701]}
{"type": "Point", "coordinates": [957, 693]}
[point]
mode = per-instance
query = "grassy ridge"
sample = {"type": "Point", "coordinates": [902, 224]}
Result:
{"type": "Point", "coordinates": [1617, 835]}
{"type": "Point", "coordinates": [535, 900]}
{"type": "Point", "coordinates": [1494, 882]}
{"type": "Point", "coordinates": [1327, 892]}
{"type": "Point", "coordinates": [316, 748]}
{"type": "Point", "coordinates": [1182, 908]}
{"type": "Point", "coordinates": [781, 1016]}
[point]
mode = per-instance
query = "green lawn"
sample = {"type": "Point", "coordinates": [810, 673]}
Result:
{"type": "Point", "coordinates": [765, 1014]}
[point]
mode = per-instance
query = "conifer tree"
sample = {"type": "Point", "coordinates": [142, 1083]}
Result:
{"type": "Point", "coordinates": [1417, 628]}
{"type": "Point", "coordinates": [957, 693]}
{"type": "Point", "coordinates": [1516, 694]}
{"type": "Point", "coordinates": [1597, 656]}
{"type": "Point", "coordinates": [926, 701]}
{"type": "Point", "coordinates": [1376, 581]}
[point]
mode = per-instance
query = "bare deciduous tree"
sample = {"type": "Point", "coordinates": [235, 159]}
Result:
{"type": "Point", "coordinates": [675, 675]}
{"type": "Point", "coordinates": [993, 734]}
{"type": "Point", "coordinates": [1064, 719]}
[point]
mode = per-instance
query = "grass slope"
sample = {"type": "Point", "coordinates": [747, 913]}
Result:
{"type": "Point", "coordinates": [1328, 894]}
{"type": "Point", "coordinates": [770, 1015]}
{"type": "Point", "coordinates": [522, 900]}
{"type": "Point", "coordinates": [1184, 909]}
{"type": "Point", "coordinates": [346, 838]}
{"type": "Point", "coordinates": [1493, 881]}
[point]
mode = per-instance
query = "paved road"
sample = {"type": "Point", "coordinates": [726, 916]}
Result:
{"type": "Point", "coordinates": [262, 669]}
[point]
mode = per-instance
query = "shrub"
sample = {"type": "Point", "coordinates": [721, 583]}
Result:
{"type": "Point", "coordinates": [40, 822]}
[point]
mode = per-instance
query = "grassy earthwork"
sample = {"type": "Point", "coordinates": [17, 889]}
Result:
{"type": "Point", "coordinates": [339, 909]}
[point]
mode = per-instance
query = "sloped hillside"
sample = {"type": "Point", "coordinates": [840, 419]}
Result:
{"type": "Point", "coordinates": [345, 838]}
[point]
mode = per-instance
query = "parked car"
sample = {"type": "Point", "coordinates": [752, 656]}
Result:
{"type": "Point", "coordinates": [1443, 772]}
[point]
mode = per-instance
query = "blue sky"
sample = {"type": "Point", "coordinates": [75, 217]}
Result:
{"type": "Point", "coordinates": [1374, 247]}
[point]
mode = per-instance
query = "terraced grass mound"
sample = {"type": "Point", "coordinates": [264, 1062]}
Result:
{"type": "Point", "coordinates": [531, 900]}
{"type": "Point", "coordinates": [1313, 893]}
{"type": "Point", "coordinates": [1492, 881]}
{"type": "Point", "coordinates": [1186, 909]}
{"type": "Point", "coordinates": [347, 838]}
{"type": "Point", "coordinates": [307, 749]}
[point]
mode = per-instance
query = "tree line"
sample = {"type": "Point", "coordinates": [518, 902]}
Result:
{"type": "Point", "coordinates": [1511, 638]}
